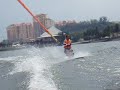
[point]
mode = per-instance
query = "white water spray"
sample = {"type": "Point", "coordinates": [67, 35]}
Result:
{"type": "Point", "coordinates": [37, 63]}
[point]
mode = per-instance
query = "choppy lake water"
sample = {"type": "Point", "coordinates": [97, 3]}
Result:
{"type": "Point", "coordinates": [49, 69]}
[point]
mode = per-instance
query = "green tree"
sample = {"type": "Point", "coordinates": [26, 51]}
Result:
{"type": "Point", "coordinates": [107, 31]}
{"type": "Point", "coordinates": [103, 19]}
{"type": "Point", "coordinates": [116, 28]}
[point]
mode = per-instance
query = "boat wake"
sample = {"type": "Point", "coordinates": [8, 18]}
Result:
{"type": "Point", "coordinates": [37, 62]}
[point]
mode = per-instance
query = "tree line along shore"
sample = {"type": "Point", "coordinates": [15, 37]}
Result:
{"type": "Point", "coordinates": [93, 30]}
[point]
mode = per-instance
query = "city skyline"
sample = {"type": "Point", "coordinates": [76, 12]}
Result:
{"type": "Point", "coordinates": [25, 32]}
{"type": "Point", "coordinates": [78, 10]}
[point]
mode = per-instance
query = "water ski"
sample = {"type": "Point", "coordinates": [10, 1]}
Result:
{"type": "Point", "coordinates": [78, 57]}
{"type": "Point", "coordinates": [74, 58]}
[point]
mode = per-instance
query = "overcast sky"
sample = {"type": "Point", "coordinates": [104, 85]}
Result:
{"type": "Point", "coordinates": [58, 10]}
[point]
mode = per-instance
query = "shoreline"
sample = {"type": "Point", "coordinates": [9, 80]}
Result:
{"type": "Point", "coordinates": [83, 42]}
{"type": "Point", "coordinates": [97, 41]}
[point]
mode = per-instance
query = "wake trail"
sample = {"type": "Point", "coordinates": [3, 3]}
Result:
{"type": "Point", "coordinates": [37, 62]}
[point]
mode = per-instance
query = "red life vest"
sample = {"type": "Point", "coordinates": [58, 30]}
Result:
{"type": "Point", "coordinates": [67, 44]}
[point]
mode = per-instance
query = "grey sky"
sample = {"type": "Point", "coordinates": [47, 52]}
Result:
{"type": "Point", "coordinates": [13, 12]}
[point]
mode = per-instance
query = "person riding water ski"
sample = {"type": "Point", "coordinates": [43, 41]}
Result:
{"type": "Point", "coordinates": [67, 46]}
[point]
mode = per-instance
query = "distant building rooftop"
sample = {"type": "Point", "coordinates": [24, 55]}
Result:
{"type": "Point", "coordinates": [53, 30]}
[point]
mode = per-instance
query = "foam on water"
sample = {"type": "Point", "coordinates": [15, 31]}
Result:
{"type": "Point", "coordinates": [37, 62]}
{"type": "Point", "coordinates": [10, 58]}
{"type": "Point", "coordinates": [82, 54]}
{"type": "Point", "coordinates": [77, 55]}
{"type": "Point", "coordinates": [100, 70]}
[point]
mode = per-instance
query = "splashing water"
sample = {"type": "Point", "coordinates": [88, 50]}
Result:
{"type": "Point", "coordinates": [32, 68]}
{"type": "Point", "coordinates": [37, 62]}
{"type": "Point", "coordinates": [82, 54]}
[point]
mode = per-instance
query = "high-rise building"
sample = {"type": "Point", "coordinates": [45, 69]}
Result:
{"type": "Point", "coordinates": [20, 32]}
{"type": "Point", "coordinates": [37, 28]}
{"type": "Point", "coordinates": [63, 23]}
{"type": "Point", "coordinates": [45, 21]}
{"type": "Point", "coordinates": [49, 23]}
{"type": "Point", "coordinates": [12, 33]}
{"type": "Point", "coordinates": [30, 31]}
